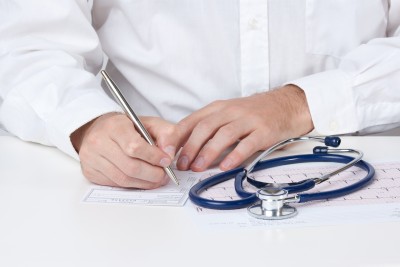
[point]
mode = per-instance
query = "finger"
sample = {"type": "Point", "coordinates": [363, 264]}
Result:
{"type": "Point", "coordinates": [188, 123]}
{"type": "Point", "coordinates": [135, 146]}
{"type": "Point", "coordinates": [224, 138]}
{"type": "Point", "coordinates": [130, 166]}
{"type": "Point", "coordinates": [201, 133]}
{"type": "Point", "coordinates": [245, 148]}
{"type": "Point", "coordinates": [123, 180]}
{"type": "Point", "coordinates": [96, 177]}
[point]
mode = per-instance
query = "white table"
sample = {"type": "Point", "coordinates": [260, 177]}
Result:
{"type": "Point", "coordinates": [43, 222]}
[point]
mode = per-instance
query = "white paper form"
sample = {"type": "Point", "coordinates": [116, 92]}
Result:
{"type": "Point", "coordinates": [379, 201]}
{"type": "Point", "coordinates": [169, 195]}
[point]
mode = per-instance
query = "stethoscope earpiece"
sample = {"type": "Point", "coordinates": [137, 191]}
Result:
{"type": "Point", "coordinates": [332, 141]}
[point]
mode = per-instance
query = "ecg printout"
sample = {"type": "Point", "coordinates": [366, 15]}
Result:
{"type": "Point", "coordinates": [379, 201]}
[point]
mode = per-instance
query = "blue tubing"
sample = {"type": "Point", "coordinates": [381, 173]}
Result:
{"type": "Point", "coordinates": [248, 198]}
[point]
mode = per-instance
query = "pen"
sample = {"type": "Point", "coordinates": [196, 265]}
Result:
{"type": "Point", "coordinates": [134, 118]}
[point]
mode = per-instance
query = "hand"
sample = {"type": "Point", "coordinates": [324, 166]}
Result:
{"type": "Point", "coordinates": [113, 153]}
{"type": "Point", "coordinates": [257, 122]}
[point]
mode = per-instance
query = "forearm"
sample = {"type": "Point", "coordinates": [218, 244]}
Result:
{"type": "Point", "coordinates": [47, 70]}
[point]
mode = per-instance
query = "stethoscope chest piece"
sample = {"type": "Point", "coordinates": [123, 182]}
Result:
{"type": "Point", "coordinates": [272, 205]}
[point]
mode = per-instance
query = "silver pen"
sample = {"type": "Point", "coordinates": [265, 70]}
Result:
{"type": "Point", "coordinates": [135, 119]}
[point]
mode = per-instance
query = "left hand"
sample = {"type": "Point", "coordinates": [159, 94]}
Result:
{"type": "Point", "coordinates": [257, 122]}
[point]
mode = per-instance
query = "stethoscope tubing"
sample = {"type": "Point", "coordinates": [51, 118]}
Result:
{"type": "Point", "coordinates": [248, 198]}
{"type": "Point", "coordinates": [195, 191]}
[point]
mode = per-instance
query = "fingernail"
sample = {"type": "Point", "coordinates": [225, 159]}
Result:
{"type": "Point", "coordinates": [183, 162]}
{"type": "Point", "coordinates": [226, 164]}
{"type": "Point", "coordinates": [199, 162]}
{"type": "Point", "coordinates": [170, 150]}
{"type": "Point", "coordinates": [165, 162]}
{"type": "Point", "coordinates": [166, 180]}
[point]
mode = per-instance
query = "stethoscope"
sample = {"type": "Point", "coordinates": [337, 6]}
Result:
{"type": "Point", "coordinates": [270, 200]}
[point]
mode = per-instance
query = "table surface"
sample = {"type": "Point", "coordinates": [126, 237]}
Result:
{"type": "Point", "coordinates": [44, 222]}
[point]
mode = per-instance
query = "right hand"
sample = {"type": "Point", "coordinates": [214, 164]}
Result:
{"type": "Point", "coordinates": [113, 153]}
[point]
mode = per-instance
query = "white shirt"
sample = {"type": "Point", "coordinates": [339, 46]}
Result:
{"type": "Point", "coordinates": [172, 57]}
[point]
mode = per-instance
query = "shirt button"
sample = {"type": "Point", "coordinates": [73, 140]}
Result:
{"type": "Point", "coordinates": [253, 24]}
{"type": "Point", "coordinates": [333, 126]}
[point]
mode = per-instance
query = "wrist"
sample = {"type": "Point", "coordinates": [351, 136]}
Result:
{"type": "Point", "coordinates": [79, 134]}
{"type": "Point", "coordinates": [299, 120]}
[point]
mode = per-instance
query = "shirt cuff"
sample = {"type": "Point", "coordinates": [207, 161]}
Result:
{"type": "Point", "coordinates": [331, 102]}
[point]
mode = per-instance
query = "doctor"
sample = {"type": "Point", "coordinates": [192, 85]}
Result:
{"type": "Point", "coordinates": [204, 75]}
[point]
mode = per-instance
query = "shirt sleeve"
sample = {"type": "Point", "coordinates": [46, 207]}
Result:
{"type": "Point", "coordinates": [363, 94]}
{"type": "Point", "coordinates": [49, 55]}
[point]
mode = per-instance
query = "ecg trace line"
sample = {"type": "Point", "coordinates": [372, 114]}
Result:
{"type": "Point", "coordinates": [385, 187]}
